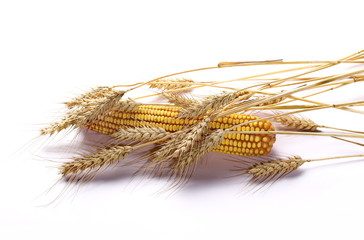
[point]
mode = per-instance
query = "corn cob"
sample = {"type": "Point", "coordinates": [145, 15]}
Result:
{"type": "Point", "coordinates": [166, 117]}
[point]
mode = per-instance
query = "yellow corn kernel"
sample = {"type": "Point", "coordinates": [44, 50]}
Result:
{"type": "Point", "coordinates": [166, 117]}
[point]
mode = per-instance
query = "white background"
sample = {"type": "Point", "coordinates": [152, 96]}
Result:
{"type": "Point", "coordinates": [52, 50]}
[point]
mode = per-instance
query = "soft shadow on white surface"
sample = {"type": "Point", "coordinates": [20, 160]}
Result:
{"type": "Point", "coordinates": [214, 169]}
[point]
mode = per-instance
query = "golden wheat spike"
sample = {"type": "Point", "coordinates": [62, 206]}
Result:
{"type": "Point", "coordinates": [272, 168]}
{"type": "Point", "coordinates": [297, 122]}
{"type": "Point", "coordinates": [166, 117]}
{"type": "Point", "coordinates": [169, 84]}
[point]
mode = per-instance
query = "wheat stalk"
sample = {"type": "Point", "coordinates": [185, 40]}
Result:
{"type": "Point", "coordinates": [287, 93]}
{"type": "Point", "coordinates": [354, 57]}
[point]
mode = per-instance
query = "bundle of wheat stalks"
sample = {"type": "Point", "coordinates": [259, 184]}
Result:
{"type": "Point", "coordinates": [184, 130]}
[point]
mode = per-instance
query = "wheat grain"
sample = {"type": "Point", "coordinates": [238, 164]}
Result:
{"type": "Point", "coordinates": [170, 84]}
{"type": "Point", "coordinates": [297, 122]}
{"type": "Point", "coordinates": [127, 105]}
{"type": "Point", "coordinates": [268, 102]}
{"type": "Point", "coordinates": [89, 103]}
{"type": "Point", "coordinates": [200, 149]}
{"type": "Point", "coordinates": [142, 134]}
{"type": "Point", "coordinates": [179, 100]}
{"type": "Point", "coordinates": [182, 141]}
{"type": "Point", "coordinates": [191, 139]}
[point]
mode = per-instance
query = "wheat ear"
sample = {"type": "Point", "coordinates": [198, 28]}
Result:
{"type": "Point", "coordinates": [297, 122]}
{"type": "Point", "coordinates": [214, 102]}
{"type": "Point", "coordinates": [179, 100]}
{"type": "Point", "coordinates": [269, 170]}
{"type": "Point", "coordinates": [88, 101]}
{"type": "Point", "coordinates": [127, 105]}
{"type": "Point", "coordinates": [81, 116]}
{"type": "Point", "coordinates": [182, 141]}
{"type": "Point", "coordinates": [105, 105]}
{"type": "Point", "coordinates": [200, 148]}
{"type": "Point", "coordinates": [268, 101]}
{"type": "Point", "coordinates": [171, 84]}
{"type": "Point", "coordinates": [95, 93]}
{"type": "Point", "coordinates": [105, 156]}
{"type": "Point", "coordinates": [72, 118]}
{"type": "Point", "coordinates": [180, 169]}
